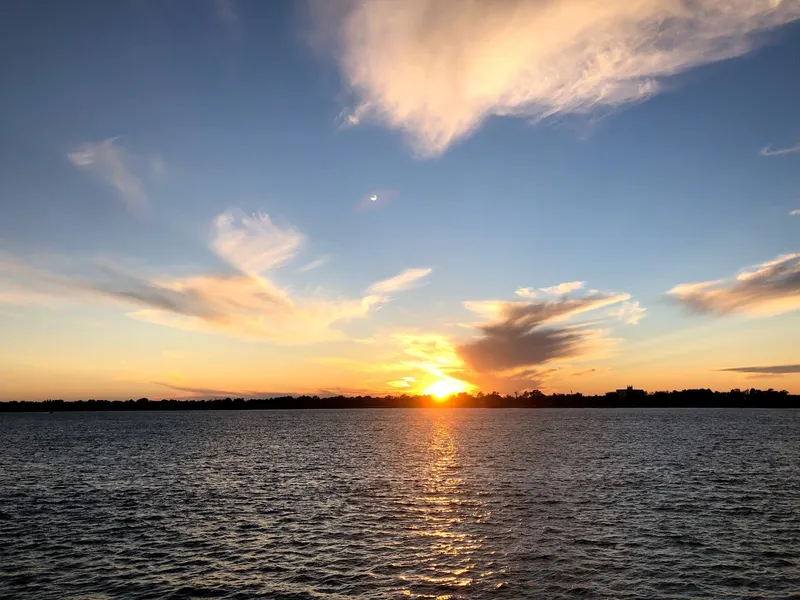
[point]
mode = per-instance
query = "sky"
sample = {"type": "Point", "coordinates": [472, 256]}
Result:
{"type": "Point", "coordinates": [242, 198]}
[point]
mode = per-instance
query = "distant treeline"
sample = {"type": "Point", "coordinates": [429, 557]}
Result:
{"type": "Point", "coordinates": [627, 399]}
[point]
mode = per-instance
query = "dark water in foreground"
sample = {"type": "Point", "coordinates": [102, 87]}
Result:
{"type": "Point", "coordinates": [391, 504]}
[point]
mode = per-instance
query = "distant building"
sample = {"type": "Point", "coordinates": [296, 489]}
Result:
{"type": "Point", "coordinates": [630, 392]}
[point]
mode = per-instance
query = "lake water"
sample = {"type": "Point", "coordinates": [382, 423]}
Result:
{"type": "Point", "coordinates": [401, 504]}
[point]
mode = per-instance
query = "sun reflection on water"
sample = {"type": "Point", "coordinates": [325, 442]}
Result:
{"type": "Point", "coordinates": [451, 552]}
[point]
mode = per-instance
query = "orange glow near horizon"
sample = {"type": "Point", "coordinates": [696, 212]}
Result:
{"type": "Point", "coordinates": [444, 388]}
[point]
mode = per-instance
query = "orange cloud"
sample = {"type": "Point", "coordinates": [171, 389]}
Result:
{"type": "Point", "coordinates": [771, 288]}
{"type": "Point", "coordinates": [247, 304]}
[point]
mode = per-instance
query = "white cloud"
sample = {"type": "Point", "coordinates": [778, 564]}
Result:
{"type": "Point", "coordinates": [629, 311]}
{"type": "Point", "coordinates": [770, 288]}
{"type": "Point", "coordinates": [254, 244]}
{"type": "Point", "coordinates": [564, 288]}
{"type": "Point", "coordinates": [526, 292]}
{"type": "Point", "coordinates": [315, 264]}
{"type": "Point", "coordinates": [768, 151]}
{"type": "Point", "coordinates": [436, 69]}
{"type": "Point", "coordinates": [403, 281]}
{"type": "Point", "coordinates": [795, 213]}
{"type": "Point", "coordinates": [111, 163]}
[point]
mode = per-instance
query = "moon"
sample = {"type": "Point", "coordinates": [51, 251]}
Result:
{"type": "Point", "coordinates": [374, 197]}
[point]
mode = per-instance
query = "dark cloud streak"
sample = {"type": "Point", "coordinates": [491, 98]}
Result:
{"type": "Point", "coordinates": [524, 335]}
{"type": "Point", "coordinates": [767, 370]}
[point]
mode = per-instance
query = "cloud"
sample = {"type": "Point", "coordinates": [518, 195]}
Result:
{"type": "Point", "coordinates": [112, 163]}
{"type": "Point", "coordinates": [436, 69]}
{"type": "Point", "coordinates": [583, 372]}
{"type": "Point", "coordinates": [195, 391]}
{"type": "Point", "coordinates": [405, 280]}
{"type": "Point", "coordinates": [520, 336]}
{"type": "Point", "coordinates": [630, 312]}
{"type": "Point", "coordinates": [253, 307]}
{"type": "Point", "coordinates": [200, 392]}
{"type": "Point", "coordinates": [795, 213]}
{"type": "Point", "coordinates": [237, 305]}
{"type": "Point", "coordinates": [526, 292]}
{"type": "Point", "coordinates": [768, 151]}
{"type": "Point", "coordinates": [563, 288]}
{"type": "Point", "coordinates": [432, 358]}
{"type": "Point", "coordinates": [254, 244]}
{"type": "Point", "coordinates": [770, 370]}
{"type": "Point", "coordinates": [520, 346]}
{"type": "Point", "coordinates": [771, 288]}
{"type": "Point", "coordinates": [345, 391]}
{"type": "Point", "coordinates": [243, 304]}
{"type": "Point", "coordinates": [315, 264]}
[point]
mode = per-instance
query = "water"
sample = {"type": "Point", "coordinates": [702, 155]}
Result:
{"type": "Point", "coordinates": [389, 504]}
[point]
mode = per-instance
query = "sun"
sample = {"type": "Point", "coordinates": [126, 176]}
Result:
{"type": "Point", "coordinates": [443, 388]}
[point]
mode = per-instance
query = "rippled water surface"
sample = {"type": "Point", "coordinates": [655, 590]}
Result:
{"type": "Point", "coordinates": [391, 503]}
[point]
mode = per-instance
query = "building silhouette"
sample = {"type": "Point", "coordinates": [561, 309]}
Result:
{"type": "Point", "coordinates": [630, 393]}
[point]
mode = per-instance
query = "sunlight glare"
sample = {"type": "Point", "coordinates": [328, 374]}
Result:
{"type": "Point", "coordinates": [443, 388]}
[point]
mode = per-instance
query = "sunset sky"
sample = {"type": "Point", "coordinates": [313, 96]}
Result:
{"type": "Point", "coordinates": [232, 198]}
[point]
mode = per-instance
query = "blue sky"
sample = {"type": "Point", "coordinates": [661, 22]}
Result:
{"type": "Point", "coordinates": [130, 127]}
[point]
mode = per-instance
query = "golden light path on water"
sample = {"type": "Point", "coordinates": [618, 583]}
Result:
{"type": "Point", "coordinates": [452, 553]}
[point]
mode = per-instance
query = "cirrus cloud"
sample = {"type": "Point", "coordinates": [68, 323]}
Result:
{"type": "Point", "coordinates": [405, 280]}
{"type": "Point", "coordinates": [436, 69]}
{"type": "Point", "coordinates": [113, 164]}
{"type": "Point", "coordinates": [253, 244]}
{"type": "Point", "coordinates": [770, 151]}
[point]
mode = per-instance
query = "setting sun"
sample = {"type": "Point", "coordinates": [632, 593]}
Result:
{"type": "Point", "coordinates": [445, 387]}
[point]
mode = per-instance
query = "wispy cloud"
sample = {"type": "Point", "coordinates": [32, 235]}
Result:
{"type": "Point", "coordinates": [583, 372]}
{"type": "Point", "coordinates": [768, 370]}
{"type": "Point", "coordinates": [526, 292]}
{"type": "Point", "coordinates": [629, 311]}
{"type": "Point", "coordinates": [315, 264]}
{"type": "Point", "coordinates": [245, 304]}
{"type": "Point", "coordinates": [769, 151]}
{"type": "Point", "coordinates": [112, 163]}
{"type": "Point", "coordinates": [201, 392]}
{"type": "Point", "coordinates": [795, 213]}
{"type": "Point", "coordinates": [253, 244]}
{"type": "Point", "coordinates": [197, 391]}
{"type": "Point", "coordinates": [770, 288]}
{"type": "Point", "coordinates": [405, 280]}
{"type": "Point", "coordinates": [345, 391]}
{"type": "Point", "coordinates": [436, 69]}
{"type": "Point", "coordinates": [563, 288]}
